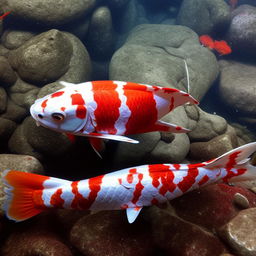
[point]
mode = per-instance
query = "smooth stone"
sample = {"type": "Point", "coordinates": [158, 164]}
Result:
{"type": "Point", "coordinates": [3, 99]}
{"type": "Point", "coordinates": [241, 201]}
{"type": "Point", "coordinates": [238, 79]}
{"type": "Point", "coordinates": [101, 36]}
{"type": "Point", "coordinates": [204, 16]}
{"type": "Point", "coordinates": [43, 58]}
{"type": "Point", "coordinates": [241, 33]}
{"type": "Point", "coordinates": [217, 146]}
{"type": "Point", "coordinates": [176, 236]}
{"type": "Point", "coordinates": [7, 75]}
{"type": "Point", "coordinates": [14, 112]}
{"type": "Point", "coordinates": [50, 12]}
{"type": "Point", "coordinates": [80, 67]}
{"type": "Point", "coordinates": [208, 126]}
{"type": "Point", "coordinates": [154, 54]}
{"type": "Point", "coordinates": [13, 39]}
{"type": "Point", "coordinates": [240, 234]}
{"type": "Point", "coordinates": [7, 127]}
{"type": "Point", "coordinates": [116, 235]}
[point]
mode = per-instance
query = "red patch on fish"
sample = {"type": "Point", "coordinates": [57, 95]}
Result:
{"type": "Point", "coordinates": [207, 41]}
{"type": "Point", "coordinates": [57, 94]}
{"type": "Point", "coordinates": [222, 47]}
{"type": "Point", "coordinates": [78, 100]}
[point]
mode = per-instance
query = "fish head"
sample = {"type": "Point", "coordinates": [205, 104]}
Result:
{"type": "Point", "coordinates": [62, 111]}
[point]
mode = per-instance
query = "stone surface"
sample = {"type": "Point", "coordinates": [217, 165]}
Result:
{"type": "Point", "coordinates": [204, 16]}
{"type": "Point", "coordinates": [178, 237]}
{"type": "Point", "coordinates": [7, 127]}
{"type": "Point", "coordinates": [207, 127]}
{"type": "Point", "coordinates": [236, 79]}
{"type": "Point", "coordinates": [154, 54]}
{"type": "Point", "coordinates": [241, 201]}
{"type": "Point", "coordinates": [49, 12]}
{"type": "Point", "coordinates": [100, 39]}
{"type": "Point", "coordinates": [43, 58]}
{"type": "Point", "coordinates": [240, 234]}
{"type": "Point", "coordinates": [217, 146]}
{"type": "Point", "coordinates": [211, 207]}
{"type": "Point", "coordinates": [7, 75]}
{"type": "Point", "coordinates": [114, 234]}
{"type": "Point", "coordinates": [12, 39]}
{"type": "Point", "coordinates": [241, 33]}
{"type": "Point", "coordinates": [3, 99]}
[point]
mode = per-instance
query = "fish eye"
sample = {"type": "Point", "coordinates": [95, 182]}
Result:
{"type": "Point", "coordinates": [58, 117]}
{"type": "Point", "coordinates": [40, 116]}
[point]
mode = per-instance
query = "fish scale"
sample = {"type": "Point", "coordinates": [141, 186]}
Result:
{"type": "Point", "coordinates": [130, 189]}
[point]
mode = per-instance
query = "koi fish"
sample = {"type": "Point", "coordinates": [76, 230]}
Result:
{"type": "Point", "coordinates": [27, 195]}
{"type": "Point", "coordinates": [207, 41]}
{"type": "Point", "coordinates": [4, 15]}
{"type": "Point", "coordinates": [109, 109]}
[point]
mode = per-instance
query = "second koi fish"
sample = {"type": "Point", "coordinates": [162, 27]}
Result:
{"type": "Point", "coordinates": [109, 109]}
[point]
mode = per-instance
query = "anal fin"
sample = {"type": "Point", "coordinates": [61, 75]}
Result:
{"type": "Point", "coordinates": [132, 213]}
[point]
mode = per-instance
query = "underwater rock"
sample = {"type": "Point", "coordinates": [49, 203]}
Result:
{"type": "Point", "coordinates": [14, 112]}
{"type": "Point", "coordinates": [236, 79]}
{"type": "Point", "coordinates": [241, 33]}
{"type": "Point", "coordinates": [7, 127]}
{"type": "Point", "coordinates": [7, 75]}
{"type": "Point", "coordinates": [178, 237]}
{"type": "Point", "coordinates": [23, 94]}
{"type": "Point", "coordinates": [207, 126]}
{"type": "Point", "coordinates": [240, 234]}
{"type": "Point", "coordinates": [42, 59]}
{"type": "Point", "coordinates": [49, 12]}
{"type": "Point", "coordinates": [13, 39]}
{"type": "Point", "coordinates": [203, 151]}
{"type": "Point", "coordinates": [33, 140]}
{"type": "Point", "coordinates": [109, 233]}
{"type": "Point", "coordinates": [204, 16]}
{"type": "Point", "coordinates": [100, 38]}
{"type": "Point", "coordinates": [117, 4]}
{"type": "Point", "coordinates": [154, 54]}
{"type": "Point", "coordinates": [211, 207]}
{"type": "Point", "coordinates": [37, 237]}
{"type": "Point", "coordinates": [3, 99]}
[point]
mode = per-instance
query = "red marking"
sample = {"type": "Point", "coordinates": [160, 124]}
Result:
{"type": "Point", "coordinates": [143, 109]}
{"type": "Point", "coordinates": [78, 100]}
{"type": "Point", "coordinates": [138, 189]}
{"type": "Point", "coordinates": [167, 183]}
{"type": "Point", "coordinates": [188, 180]}
{"type": "Point", "coordinates": [120, 181]}
{"type": "Point", "coordinates": [56, 199]}
{"type": "Point", "coordinates": [71, 137]}
{"type": "Point", "coordinates": [232, 160]}
{"type": "Point", "coordinates": [62, 109]}
{"type": "Point", "coordinates": [172, 104]}
{"type": "Point", "coordinates": [203, 180]}
{"type": "Point", "coordinates": [125, 206]}
{"type": "Point", "coordinates": [4, 15]}
{"type": "Point", "coordinates": [108, 103]}
{"type": "Point", "coordinates": [207, 41]}
{"type": "Point", "coordinates": [154, 201]}
{"type": "Point", "coordinates": [130, 175]}
{"type": "Point", "coordinates": [176, 166]}
{"type": "Point", "coordinates": [79, 202]}
{"type": "Point", "coordinates": [44, 104]}
{"type": "Point", "coordinates": [178, 128]}
{"type": "Point", "coordinates": [57, 94]}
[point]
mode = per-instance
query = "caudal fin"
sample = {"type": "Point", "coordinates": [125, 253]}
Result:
{"type": "Point", "coordinates": [238, 159]}
{"type": "Point", "coordinates": [23, 193]}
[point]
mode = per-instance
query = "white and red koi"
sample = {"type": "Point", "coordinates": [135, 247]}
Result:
{"type": "Point", "coordinates": [29, 194]}
{"type": "Point", "coordinates": [109, 109]}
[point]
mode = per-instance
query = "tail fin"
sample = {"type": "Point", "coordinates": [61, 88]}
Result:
{"type": "Point", "coordinates": [237, 158]}
{"type": "Point", "coordinates": [23, 193]}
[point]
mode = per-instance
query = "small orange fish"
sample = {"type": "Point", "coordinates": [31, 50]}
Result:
{"type": "Point", "coordinates": [222, 47]}
{"type": "Point", "coordinates": [207, 41]}
{"type": "Point", "coordinates": [4, 15]}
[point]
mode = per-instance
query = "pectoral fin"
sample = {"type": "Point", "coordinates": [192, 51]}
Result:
{"type": "Point", "coordinates": [132, 213]}
{"type": "Point", "coordinates": [166, 127]}
{"type": "Point", "coordinates": [109, 137]}
{"type": "Point", "coordinates": [97, 145]}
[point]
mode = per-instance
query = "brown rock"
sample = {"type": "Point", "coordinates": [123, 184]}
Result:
{"type": "Point", "coordinates": [240, 234]}
{"type": "Point", "coordinates": [178, 237]}
{"type": "Point", "coordinates": [212, 206]}
{"type": "Point", "coordinates": [109, 233]}
{"type": "Point", "coordinates": [241, 201]}
{"type": "Point", "coordinates": [43, 58]}
{"type": "Point", "coordinates": [7, 75]}
{"type": "Point", "coordinates": [7, 127]}
{"type": "Point", "coordinates": [211, 149]}
{"type": "Point", "coordinates": [3, 99]}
